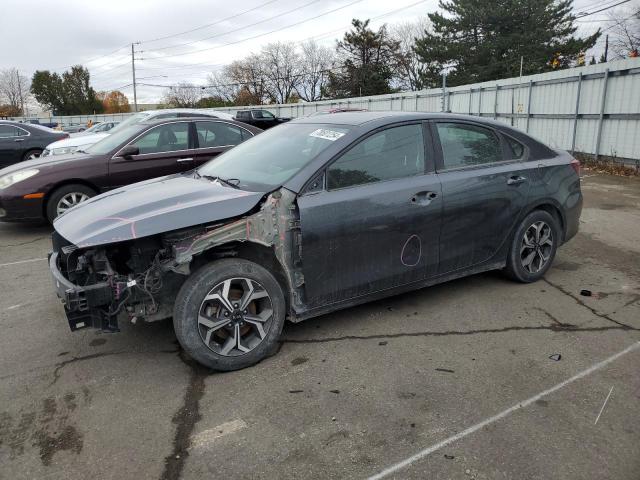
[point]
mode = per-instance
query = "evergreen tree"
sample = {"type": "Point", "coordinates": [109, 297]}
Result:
{"type": "Point", "coordinates": [368, 61]}
{"type": "Point", "coordinates": [66, 94]}
{"type": "Point", "coordinates": [481, 40]}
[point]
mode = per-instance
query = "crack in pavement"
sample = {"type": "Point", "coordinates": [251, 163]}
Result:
{"type": "Point", "coordinates": [591, 309]}
{"type": "Point", "coordinates": [553, 328]}
{"type": "Point", "coordinates": [61, 365]}
{"type": "Point", "coordinates": [186, 418]}
{"type": "Point", "coordinates": [26, 242]}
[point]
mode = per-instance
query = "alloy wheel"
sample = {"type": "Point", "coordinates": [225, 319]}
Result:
{"type": "Point", "coordinates": [235, 316]}
{"type": "Point", "coordinates": [33, 156]}
{"type": "Point", "coordinates": [536, 247]}
{"type": "Point", "coordinates": [71, 199]}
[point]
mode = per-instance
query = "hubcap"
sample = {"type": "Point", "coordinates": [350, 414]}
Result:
{"type": "Point", "coordinates": [70, 200]}
{"type": "Point", "coordinates": [235, 316]}
{"type": "Point", "coordinates": [33, 156]}
{"type": "Point", "coordinates": [537, 244]}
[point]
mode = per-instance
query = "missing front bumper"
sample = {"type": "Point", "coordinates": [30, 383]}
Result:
{"type": "Point", "coordinates": [84, 306]}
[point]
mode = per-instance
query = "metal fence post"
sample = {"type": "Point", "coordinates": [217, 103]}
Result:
{"type": "Point", "coordinates": [575, 116]}
{"type": "Point", "coordinates": [470, 99]}
{"type": "Point", "coordinates": [601, 117]}
{"type": "Point", "coordinates": [444, 89]}
{"type": "Point", "coordinates": [495, 103]}
{"type": "Point", "coordinates": [526, 129]}
{"type": "Point", "coordinates": [417, 95]}
{"type": "Point", "coordinates": [480, 102]}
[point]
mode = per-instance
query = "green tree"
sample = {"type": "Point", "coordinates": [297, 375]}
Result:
{"type": "Point", "coordinates": [66, 94]}
{"type": "Point", "coordinates": [213, 102]}
{"type": "Point", "coordinates": [481, 40]}
{"type": "Point", "coordinates": [368, 60]}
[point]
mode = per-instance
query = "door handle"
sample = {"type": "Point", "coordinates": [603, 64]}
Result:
{"type": "Point", "coordinates": [182, 160]}
{"type": "Point", "coordinates": [19, 140]}
{"type": "Point", "coordinates": [516, 180]}
{"type": "Point", "coordinates": [423, 198]}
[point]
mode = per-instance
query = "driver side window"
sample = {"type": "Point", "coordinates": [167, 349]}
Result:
{"type": "Point", "coordinates": [392, 153]}
{"type": "Point", "coordinates": [164, 138]}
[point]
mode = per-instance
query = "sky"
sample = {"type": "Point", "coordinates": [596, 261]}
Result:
{"type": "Point", "coordinates": [187, 39]}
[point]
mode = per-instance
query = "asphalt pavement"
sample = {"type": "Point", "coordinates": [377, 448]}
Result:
{"type": "Point", "coordinates": [479, 378]}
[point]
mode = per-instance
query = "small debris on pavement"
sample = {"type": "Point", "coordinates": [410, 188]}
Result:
{"type": "Point", "coordinates": [449, 457]}
{"type": "Point", "coordinates": [585, 293]}
{"type": "Point", "coordinates": [445, 370]}
{"type": "Point", "coordinates": [296, 391]}
{"type": "Point", "coordinates": [335, 391]}
{"type": "Point", "coordinates": [555, 357]}
{"type": "Point", "coordinates": [333, 419]}
{"type": "Point", "coordinates": [382, 343]}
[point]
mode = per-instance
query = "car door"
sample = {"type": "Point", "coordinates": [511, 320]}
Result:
{"type": "Point", "coordinates": [484, 190]}
{"type": "Point", "coordinates": [163, 150]}
{"type": "Point", "coordinates": [11, 145]}
{"type": "Point", "coordinates": [374, 222]}
{"type": "Point", "coordinates": [212, 137]}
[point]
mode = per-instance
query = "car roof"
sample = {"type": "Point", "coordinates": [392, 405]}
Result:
{"type": "Point", "coordinates": [360, 118]}
{"type": "Point", "coordinates": [152, 122]}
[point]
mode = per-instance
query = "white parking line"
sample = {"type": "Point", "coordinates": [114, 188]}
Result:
{"type": "Point", "coordinates": [22, 261]}
{"type": "Point", "coordinates": [429, 450]}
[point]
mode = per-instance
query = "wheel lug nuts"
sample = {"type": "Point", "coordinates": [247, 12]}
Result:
{"type": "Point", "coordinates": [235, 305]}
{"type": "Point", "coordinates": [226, 314]}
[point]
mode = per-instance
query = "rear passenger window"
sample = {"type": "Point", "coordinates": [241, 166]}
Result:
{"type": "Point", "coordinates": [217, 134]}
{"type": "Point", "coordinates": [517, 149]}
{"type": "Point", "coordinates": [8, 131]}
{"type": "Point", "coordinates": [467, 145]}
{"type": "Point", "coordinates": [393, 153]}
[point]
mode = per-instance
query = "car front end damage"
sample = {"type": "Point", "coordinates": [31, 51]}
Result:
{"type": "Point", "coordinates": [138, 279]}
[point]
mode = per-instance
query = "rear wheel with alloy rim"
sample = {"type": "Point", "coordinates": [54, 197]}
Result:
{"type": "Point", "coordinates": [67, 197]}
{"type": "Point", "coordinates": [229, 314]}
{"type": "Point", "coordinates": [533, 247]}
{"type": "Point", "coordinates": [32, 155]}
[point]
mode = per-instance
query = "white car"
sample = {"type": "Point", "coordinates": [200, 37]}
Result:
{"type": "Point", "coordinates": [80, 142]}
{"type": "Point", "coordinates": [100, 127]}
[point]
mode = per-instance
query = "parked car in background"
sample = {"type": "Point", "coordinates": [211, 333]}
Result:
{"type": "Point", "coordinates": [75, 128]}
{"type": "Point", "coordinates": [24, 141]}
{"type": "Point", "coordinates": [316, 215]}
{"type": "Point", "coordinates": [260, 118]}
{"type": "Point", "coordinates": [82, 142]}
{"type": "Point", "coordinates": [44, 188]}
{"type": "Point", "coordinates": [100, 127]}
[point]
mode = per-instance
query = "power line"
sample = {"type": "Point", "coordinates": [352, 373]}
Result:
{"type": "Point", "coordinates": [235, 29]}
{"type": "Point", "coordinates": [209, 24]}
{"type": "Point", "coordinates": [603, 9]}
{"type": "Point", "coordinates": [93, 59]}
{"type": "Point", "coordinates": [261, 34]}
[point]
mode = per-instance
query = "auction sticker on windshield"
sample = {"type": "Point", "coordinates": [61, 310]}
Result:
{"type": "Point", "coordinates": [331, 135]}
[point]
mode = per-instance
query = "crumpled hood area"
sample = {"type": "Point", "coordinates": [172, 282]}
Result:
{"type": "Point", "coordinates": [152, 207]}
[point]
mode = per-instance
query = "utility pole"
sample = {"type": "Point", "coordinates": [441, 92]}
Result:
{"type": "Point", "coordinates": [606, 47]}
{"type": "Point", "coordinates": [133, 71]}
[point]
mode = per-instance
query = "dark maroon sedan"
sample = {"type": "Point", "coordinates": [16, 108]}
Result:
{"type": "Point", "coordinates": [47, 187]}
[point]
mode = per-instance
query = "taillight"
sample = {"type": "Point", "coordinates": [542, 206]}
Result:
{"type": "Point", "coordinates": [575, 164]}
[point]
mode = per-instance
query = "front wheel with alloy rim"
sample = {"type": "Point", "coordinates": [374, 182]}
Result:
{"type": "Point", "coordinates": [229, 314]}
{"type": "Point", "coordinates": [533, 247]}
{"type": "Point", "coordinates": [66, 197]}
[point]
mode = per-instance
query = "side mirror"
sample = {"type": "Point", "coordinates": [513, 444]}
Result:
{"type": "Point", "coordinates": [128, 152]}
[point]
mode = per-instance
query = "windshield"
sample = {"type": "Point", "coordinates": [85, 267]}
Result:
{"type": "Point", "coordinates": [271, 158]}
{"type": "Point", "coordinates": [112, 141]}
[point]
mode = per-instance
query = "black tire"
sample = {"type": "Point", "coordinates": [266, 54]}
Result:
{"type": "Point", "coordinates": [36, 151]}
{"type": "Point", "coordinates": [62, 192]}
{"type": "Point", "coordinates": [517, 267]}
{"type": "Point", "coordinates": [191, 303]}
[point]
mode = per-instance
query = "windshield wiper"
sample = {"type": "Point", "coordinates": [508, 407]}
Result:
{"type": "Point", "coordinates": [226, 181]}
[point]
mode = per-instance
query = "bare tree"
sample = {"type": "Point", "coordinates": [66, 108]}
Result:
{"type": "Point", "coordinates": [223, 86]}
{"type": "Point", "coordinates": [625, 31]}
{"type": "Point", "coordinates": [315, 63]}
{"type": "Point", "coordinates": [281, 69]}
{"type": "Point", "coordinates": [14, 90]}
{"type": "Point", "coordinates": [409, 68]}
{"type": "Point", "coordinates": [183, 95]}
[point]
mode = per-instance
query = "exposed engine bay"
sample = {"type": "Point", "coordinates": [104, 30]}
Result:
{"type": "Point", "coordinates": [139, 279]}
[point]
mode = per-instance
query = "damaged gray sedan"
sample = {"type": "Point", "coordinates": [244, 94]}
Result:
{"type": "Point", "coordinates": [312, 216]}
